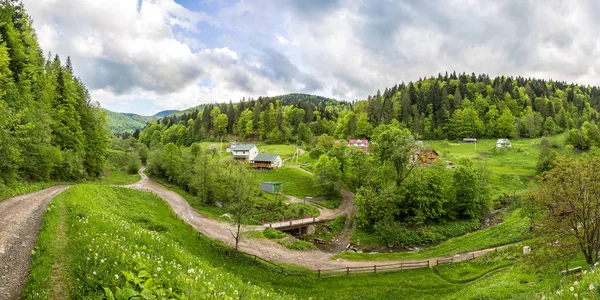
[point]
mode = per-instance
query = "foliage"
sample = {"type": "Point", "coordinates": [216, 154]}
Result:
{"type": "Point", "coordinates": [327, 175]}
{"type": "Point", "coordinates": [569, 201]}
{"type": "Point", "coordinates": [50, 128]}
{"type": "Point", "coordinates": [123, 124]}
{"type": "Point", "coordinates": [296, 182]}
{"type": "Point", "coordinates": [273, 234]}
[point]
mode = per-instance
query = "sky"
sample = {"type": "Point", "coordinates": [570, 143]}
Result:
{"type": "Point", "coordinates": [144, 56]}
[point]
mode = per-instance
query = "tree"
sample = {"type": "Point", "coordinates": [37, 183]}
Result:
{"type": "Point", "coordinates": [240, 202]}
{"type": "Point", "coordinates": [470, 189]}
{"type": "Point", "coordinates": [393, 144]}
{"type": "Point", "coordinates": [569, 198]}
{"type": "Point", "coordinates": [328, 175]}
{"type": "Point", "coordinates": [221, 122]}
{"type": "Point", "coordinates": [304, 134]}
{"type": "Point", "coordinates": [505, 125]}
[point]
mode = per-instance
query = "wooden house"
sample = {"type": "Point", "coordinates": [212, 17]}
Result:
{"type": "Point", "coordinates": [266, 161]}
{"type": "Point", "coordinates": [245, 152]}
{"type": "Point", "coordinates": [425, 156]}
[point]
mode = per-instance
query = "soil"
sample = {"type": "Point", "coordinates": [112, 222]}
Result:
{"type": "Point", "coordinates": [20, 219]}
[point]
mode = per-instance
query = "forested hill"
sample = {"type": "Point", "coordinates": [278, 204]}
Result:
{"type": "Point", "coordinates": [49, 126]}
{"type": "Point", "coordinates": [122, 124]}
{"type": "Point", "coordinates": [448, 106]}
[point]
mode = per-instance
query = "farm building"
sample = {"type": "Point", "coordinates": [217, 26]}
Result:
{"type": "Point", "coordinates": [503, 143]}
{"type": "Point", "coordinates": [425, 156]}
{"type": "Point", "coordinates": [245, 152]}
{"type": "Point", "coordinates": [360, 144]}
{"type": "Point", "coordinates": [231, 146]}
{"type": "Point", "coordinates": [266, 161]}
{"type": "Point", "coordinates": [271, 187]}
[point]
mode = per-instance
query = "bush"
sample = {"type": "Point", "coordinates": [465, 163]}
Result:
{"type": "Point", "coordinates": [300, 245]}
{"type": "Point", "coordinates": [273, 234]}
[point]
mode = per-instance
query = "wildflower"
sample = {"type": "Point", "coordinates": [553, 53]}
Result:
{"type": "Point", "coordinates": [191, 271]}
{"type": "Point", "coordinates": [572, 289]}
{"type": "Point", "coordinates": [559, 292]}
{"type": "Point", "coordinates": [116, 276]}
{"type": "Point", "coordinates": [576, 295]}
{"type": "Point", "coordinates": [576, 283]}
{"type": "Point", "coordinates": [592, 287]}
{"type": "Point", "coordinates": [94, 272]}
{"type": "Point", "coordinates": [595, 264]}
{"type": "Point", "coordinates": [158, 269]}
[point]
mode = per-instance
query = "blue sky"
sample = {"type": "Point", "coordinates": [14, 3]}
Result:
{"type": "Point", "coordinates": [144, 56]}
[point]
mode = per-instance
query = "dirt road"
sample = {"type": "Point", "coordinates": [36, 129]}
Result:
{"type": "Point", "coordinates": [20, 219]}
{"type": "Point", "coordinates": [267, 249]}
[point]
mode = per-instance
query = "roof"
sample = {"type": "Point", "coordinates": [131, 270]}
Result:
{"type": "Point", "coordinates": [418, 152]}
{"type": "Point", "coordinates": [358, 141]}
{"type": "Point", "coordinates": [271, 182]}
{"type": "Point", "coordinates": [266, 157]}
{"type": "Point", "coordinates": [244, 147]}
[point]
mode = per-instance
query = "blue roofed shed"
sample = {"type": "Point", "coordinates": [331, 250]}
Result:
{"type": "Point", "coordinates": [271, 187]}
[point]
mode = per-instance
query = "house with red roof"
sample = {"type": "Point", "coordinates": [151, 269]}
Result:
{"type": "Point", "coordinates": [361, 144]}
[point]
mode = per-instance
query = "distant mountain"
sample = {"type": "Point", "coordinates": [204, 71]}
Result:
{"type": "Point", "coordinates": [165, 113]}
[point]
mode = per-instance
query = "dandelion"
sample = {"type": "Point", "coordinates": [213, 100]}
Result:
{"type": "Point", "coordinates": [592, 287]}
{"type": "Point", "coordinates": [94, 272]}
{"type": "Point", "coordinates": [576, 295]}
{"type": "Point", "coordinates": [576, 283]}
{"type": "Point", "coordinates": [116, 276]}
{"type": "Point", "coordinates": [158, 269]}
{"type": "Point", "coordinates": [572, 289]}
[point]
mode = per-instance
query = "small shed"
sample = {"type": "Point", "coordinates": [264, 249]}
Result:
{"type": "Point", "coordinates": [271, 187]}
{"type": "Point", "coordinates": [503, 143]}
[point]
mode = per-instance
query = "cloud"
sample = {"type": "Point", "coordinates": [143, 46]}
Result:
{"type": "Point", "coordinates": [173, 56]}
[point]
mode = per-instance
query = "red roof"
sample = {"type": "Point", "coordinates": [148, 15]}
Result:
{"type": "Point", "coordinates": [358, 142]}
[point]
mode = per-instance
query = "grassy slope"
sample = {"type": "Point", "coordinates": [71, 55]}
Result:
{"type": "Point", "coordinates": [121, 123]}
{"type": "Point", "coordinates": [296, 182]}
{"type": "Point", "coordinates": [513, 229]}
{"type": "Point", "coordinates": [127, 231]}
{"type": "Point", "coordinates": [120, 224]}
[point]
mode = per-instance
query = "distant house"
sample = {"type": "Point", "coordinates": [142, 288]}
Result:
{"type": "Point", "coordinates": [503, 143]}
{"type": "Point", "coordinates": [245, 152]}
{"type": "Point", "coordinates": [420, 144]}
{"type": "Point", "coordinates": [271, 187]}
{"type": "Point", "coordinates": [450, 165]}
{"type": "Point", "coordinates": [266, 161]}
{"type": "Point", "coordinates": [231, 146]}
{"type": "Point", "coordinates": [425, 156]}
{"type": "Point", "coordinates": [361, 144]}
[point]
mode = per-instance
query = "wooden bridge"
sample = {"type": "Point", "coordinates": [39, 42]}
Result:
{"type": "Point", "coordinates": [293, 224]}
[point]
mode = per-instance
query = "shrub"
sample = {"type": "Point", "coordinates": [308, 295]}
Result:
{"type": "Point", "coordinates": [273, 234]}
{"type": "Point", "coordinates": [300, 245]}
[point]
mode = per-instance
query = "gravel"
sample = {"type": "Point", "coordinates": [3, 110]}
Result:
{"type": "Point", "coordinates": [20, 219]}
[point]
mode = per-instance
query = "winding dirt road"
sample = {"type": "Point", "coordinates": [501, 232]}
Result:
{"type": "Point", "coordinates": [267, 249]}
{"type": "Point", "coordinates": [20, 219]}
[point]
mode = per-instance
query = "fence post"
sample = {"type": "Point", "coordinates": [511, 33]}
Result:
{"type": "Point", "coordinates": [375, 269]}
{"type": "Point", "coordinates": [428, 263]}
{"type": "Point", "coordinates": [452, 258]}
{"type": "Point", "coordinates": [319, 274]}
{"type": "Point", "coordinates": [347, 271]}
{"type": "Point", "coordinates": [473, 255]}
{"type": "Point", "coordinates": [437, 262]}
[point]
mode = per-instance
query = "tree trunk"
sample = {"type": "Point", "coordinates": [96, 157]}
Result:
{"type": "Point", "coordinates": [237, 235]}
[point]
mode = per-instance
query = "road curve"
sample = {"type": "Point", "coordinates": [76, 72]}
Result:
{"type": "Point", "coordinates": [267, 249]}
{"type": "Point", "coordinates": [20, 219]}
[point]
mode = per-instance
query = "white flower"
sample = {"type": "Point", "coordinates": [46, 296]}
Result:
{"type": "Point", "coordinates": [576, 295]}
{"type": "Point", "coordinates": [572, 289]}
{"type": "Point", "coordinates": [559, 292]}
{"type": "Point", "coordinates": [94, 272]}
{"type": "Point", "coordinates": [116, 276]}
{"type": "Point", "coordinates": [158, 269]}
{"type": "Point", "coordinates": [576, 283]}
{"type": "Point", "coordinates": [595, 264]}
{"type": "Point", "coordinates": [592, 286]}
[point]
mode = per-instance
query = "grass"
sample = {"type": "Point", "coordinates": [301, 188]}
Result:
{"type": "Point", "coordinates": [117, 178]}
{"type": "Point", "coordinates": [284, 151]}
{"type": "Point", "coordinates": [128, 242]}
{"type": "Point", "coordinates": [23, 188]}
{"type": "Point", "coordinates": [296, 182]}
{"type": "Point", "coordinates": [135, 232]}
{"type": "Point", "coordinates": [513, 229]}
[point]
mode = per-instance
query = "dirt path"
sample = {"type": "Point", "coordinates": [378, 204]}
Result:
{"type": "Point", "coordinates": [267, 249]}
{"type": "Point", "coordinates": [20, 219]}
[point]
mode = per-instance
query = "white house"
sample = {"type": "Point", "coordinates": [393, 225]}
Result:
{"type": "Point", "coordinates": [503, 143]}
{"type": "Point", "coordinates": [231, 146]}
{"type": "Point", "coordinates": [266, 161]}
{"type": "Point", "coordinates": [245, 152]}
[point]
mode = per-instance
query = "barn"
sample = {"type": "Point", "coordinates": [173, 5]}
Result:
{"type": "Point", "coordinates": [266, 161]}
{"type": "Point", "coordinates": [271, 187]}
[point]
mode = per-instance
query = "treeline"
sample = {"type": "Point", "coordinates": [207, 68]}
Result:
{"type": "Point", "coordinates": [443, 107]}
{"type": "Point", "coordinates": [49, 126]}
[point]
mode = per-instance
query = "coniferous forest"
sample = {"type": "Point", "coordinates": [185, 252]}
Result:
{"type": "Point", "coordinates": [50, 129]}
{"type": "Point", "coordinates": [450, 106]}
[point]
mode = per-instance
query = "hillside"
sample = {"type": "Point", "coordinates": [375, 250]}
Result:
{"type": "Point", "coordinates": [121, 123]}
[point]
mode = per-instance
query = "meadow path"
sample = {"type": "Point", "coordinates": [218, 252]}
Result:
{"type": "Point", "coordinates": [267, 249]}
{"type": "Point", "coordinates": [20, 219]}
